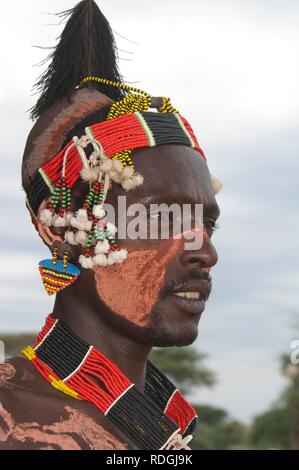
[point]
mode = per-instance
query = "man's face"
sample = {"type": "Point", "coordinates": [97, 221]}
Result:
{"type": "Point", "coordinates": [148, 295]}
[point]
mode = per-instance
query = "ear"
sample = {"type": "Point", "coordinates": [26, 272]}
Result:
{"type": "Point", "coordinates": [49, 235]}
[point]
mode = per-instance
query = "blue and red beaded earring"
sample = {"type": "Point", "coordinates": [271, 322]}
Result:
{"type": "Point", "coordinates": [57, 274]}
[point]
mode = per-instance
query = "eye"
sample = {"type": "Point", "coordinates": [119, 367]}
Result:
{"type": "Point", "coordinates": [211, 226]}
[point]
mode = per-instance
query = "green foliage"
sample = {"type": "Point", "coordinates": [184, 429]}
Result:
{"type": "Point", "coordinates": [279, 426]}
{"type": "Point", "coordinates": [15, 343]}
{"type": "Point", "coordinates": [217, 430]}
{"type": "Point", "coordinates": [211, 416]}
{"type": "Point", "coordinates": [272, 430]}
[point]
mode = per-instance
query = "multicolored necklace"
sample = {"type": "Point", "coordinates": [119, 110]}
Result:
{"type": "Point", "coordinates": [159, 419]}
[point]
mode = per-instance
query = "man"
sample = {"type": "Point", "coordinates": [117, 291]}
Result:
{"type": "Point", "coordinates": [88, 383]}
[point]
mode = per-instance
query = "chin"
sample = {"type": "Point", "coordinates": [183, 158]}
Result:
{"type": "Point", "coordinates": [171, 338]}
{"type": "Point", "coordinates": [169, 328]}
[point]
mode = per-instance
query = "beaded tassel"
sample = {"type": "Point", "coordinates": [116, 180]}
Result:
{"type": "Point", "coordinates": [59, 211]}
{"type": "Point", "coordinates": [90, 228]}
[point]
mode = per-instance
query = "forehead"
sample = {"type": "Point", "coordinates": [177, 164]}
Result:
{"type": "Point", "coordinates": [172, 173]}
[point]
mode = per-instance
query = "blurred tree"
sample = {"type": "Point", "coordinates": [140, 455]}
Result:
{"type": "Point", "coordinates": [279, 426]}
{"type": "Point", "coordinates": [290, 398]}
{"type": "Point", "coordinates": [217, 431]}
{"type": "Point", "coordinates": [184, 366]}
{"type": "Point", "coordinates": [271, 430]}
{"type": "Point", "coordinates": [15, 343]}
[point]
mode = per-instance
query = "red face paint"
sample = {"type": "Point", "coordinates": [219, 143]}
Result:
{"type": "Point", "coordinates": [131, 288]}
{"type": "Point", "coordinates": [7, 372]}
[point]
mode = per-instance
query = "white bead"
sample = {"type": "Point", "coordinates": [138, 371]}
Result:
{"type": "Point", "coordinates": [68, 217]}
{"type": "Point", "coordinates": [81, 222]}
{"type": "Point", "coordinates": [139, 179]}
{"type": "Point", "coordinates": [99, 212]}
{"type": "Point", "coordinates": [122, 255]}
{"type": "Point", "coordinates": [85, 262]}
{"type": "Point", "coordinates": [117, 166]}
{"type": "Point", "coordinates": [59, 222]}
{"type": "Point", "coordinates": [102, 247]}
{"type": "Point", "coordinates": [106, 166]}
{"type": "Point", "coordinates": [100, 260]}
{"type": "Point", "coordinates": [128, 184]}
{"type": "Point", "coordinates": [115, 176]}
{"type": "Point", "coordinates": [127, 172]}
{"type": "Point", "coordinates": [46, 217]}
{"type": "Point", "coordinates": [111, 229]}
{"type": "Point", "coordinates": [69, 237]}
{"type": "Point", "coordinates": [90, 174]}
{"type": "Point", "coordinates": [81, 237]}
{"type": "Point", "coordinates": [117, 256]}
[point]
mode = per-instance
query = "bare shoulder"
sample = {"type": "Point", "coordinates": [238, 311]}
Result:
{"type": "Point", "coordinates": [35, 416]}
{"type": "Point", "coordinates": [19, 404]}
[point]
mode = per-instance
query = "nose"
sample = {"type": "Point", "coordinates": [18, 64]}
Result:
{"type": "Point", "coordinates": [205, 257]}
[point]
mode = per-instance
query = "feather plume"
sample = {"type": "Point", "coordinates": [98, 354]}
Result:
{"type": "Point", "coordinates": [86, 47]}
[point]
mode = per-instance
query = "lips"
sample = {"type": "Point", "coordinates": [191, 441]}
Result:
{"type": "Point", "coordinates": [190, 297]}
{"type": "Point", "coordinates": [194, 290]}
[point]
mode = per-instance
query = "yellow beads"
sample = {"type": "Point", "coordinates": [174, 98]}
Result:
{"type": "Point", "coordinates": [29, 353]}
{"type": "Point", "coordinates": [63, 276]}
{"type": "Point", "coordinates": [65, 259]}
{"type": "Point", "coordinates": [60, 385]}
{"type": "Point", "coordinates": [55, 256]}
{"type": "Point", "coordinates": [167, 106]}
{"type": "Point", "coordinates": [52, 290]}
{"type": "Point", "coordinates": [56, 282]}
{"type": "Point", "coordinates": [124, 157]}
{"type": "Point", "coordinates": [129, 104]}
{"type": "Point", "coordinates": [111, 83]}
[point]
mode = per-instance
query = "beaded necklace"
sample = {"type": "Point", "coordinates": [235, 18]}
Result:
{"type": "Point", "coordinates": [160, 418]}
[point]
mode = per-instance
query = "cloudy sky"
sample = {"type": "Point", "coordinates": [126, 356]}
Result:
{"type": "Point", "coordinates": [232, 68]}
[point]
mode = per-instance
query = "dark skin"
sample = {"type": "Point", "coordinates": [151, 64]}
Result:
{"type": "Point", "coordinates": [171, 174]}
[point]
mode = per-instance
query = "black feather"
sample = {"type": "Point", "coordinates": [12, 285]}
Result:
{"type": "Point", "coordinates": [86, 47]}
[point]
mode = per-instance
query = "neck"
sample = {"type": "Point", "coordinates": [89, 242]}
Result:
{"type": "Point", "coordinates": [129, 355]}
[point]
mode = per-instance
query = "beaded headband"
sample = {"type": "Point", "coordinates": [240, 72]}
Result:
{"type": "Point", "coordinates": [128, 126]}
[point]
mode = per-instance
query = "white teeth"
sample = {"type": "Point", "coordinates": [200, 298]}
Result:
{"type": "Point", "coordinates": [188, 295]}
